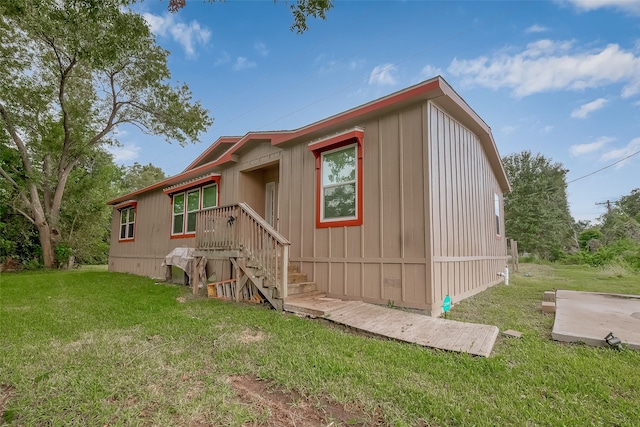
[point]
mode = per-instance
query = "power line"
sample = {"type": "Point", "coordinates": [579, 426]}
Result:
{"type": "Point", "coordinates": [420, 52]}
{"type": "Point", "coordinates": [606, 167]}
{"type": "Point", "coordinates": [467, 30]}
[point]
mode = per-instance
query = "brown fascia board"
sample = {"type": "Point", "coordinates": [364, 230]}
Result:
{"type": "Point", "coordinates": [215, 150]}
{"type": "Point", "coordinates": [172, 180]}
{"type": "Point", "coordinates": [411, 95]}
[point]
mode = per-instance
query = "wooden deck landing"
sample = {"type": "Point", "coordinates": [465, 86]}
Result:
{"type": "Point", "coordinates": [415, 328]}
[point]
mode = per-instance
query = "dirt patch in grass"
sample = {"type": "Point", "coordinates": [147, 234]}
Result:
{"type": "Point", "coordinates": [6, 394]}
{"type": "Point", "coordinates": [249, 336]}
{"type": "Point", "coordinates": [284, 409]}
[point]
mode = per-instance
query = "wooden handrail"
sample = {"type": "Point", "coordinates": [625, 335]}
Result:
{"type": "Point", "coordinates": [239, 227]}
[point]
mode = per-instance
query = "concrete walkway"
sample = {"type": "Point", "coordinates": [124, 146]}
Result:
{"type": "Point", "coordinates": [589, 316]}
{"type": "Point", "coordinates": [401, 325]}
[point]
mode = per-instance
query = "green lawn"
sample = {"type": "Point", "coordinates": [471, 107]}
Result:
{"type": "Point", "coordinates": [91, 348]}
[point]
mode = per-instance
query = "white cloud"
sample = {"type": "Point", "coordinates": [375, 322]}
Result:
{"type": "Point", "coordinates": [355, 63]}
{"type": "Point", "coordinates": [620, 153]}
{"type": "Point", "coordinates": [536, 29]}
{"type": "Point", "coordinates": [223, 58]}
{"type": "Point", "coordinates": [584, 110]}
{"type": "Point", "coordinates": [430, 71]}
{"type": "Point", "coordinates": [548, 65]}
{"type": "Point", "coordinates": [325, 62]}
{"type": "Point", "coordinates": [546, 129]}
{"type": "Point", "coordinates": [507, 130]}
{"type": "Point", "coordinates": [261, 48]}
{"type": "Point", "coordinates": [632, 6]}
{"type": "Point", "coordinates": [580, 149]}
{"type": "Point", "coordinates": [187, 35]}
{"type": "Point", "coordinates": [383, 75]}
{"type": "Point", "coordinates": [243, 63]}
{"type": "Point", "coordinates": [124, 153]}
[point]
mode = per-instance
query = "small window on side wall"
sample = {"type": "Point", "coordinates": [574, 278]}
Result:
{"type": "Point", "coordinates": [496, 201]}
{"type": "Point", "coordinates": [339, 179]}
{"type": "Point", "coordinates": [127, 223]}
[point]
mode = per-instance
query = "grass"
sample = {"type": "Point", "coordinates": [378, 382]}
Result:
{"type": "Point", "coordinates": [96, 348]}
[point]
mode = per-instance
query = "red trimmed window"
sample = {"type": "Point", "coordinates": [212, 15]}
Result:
{"type": "Point", "coordinates": [339, 180]}
{"type": "Point", "coordinates": [127, 223]}
{"type": "Point", "coordinates": [185, 205]}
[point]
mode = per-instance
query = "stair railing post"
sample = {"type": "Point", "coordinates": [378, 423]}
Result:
{"type": "Point", "coordinates": [285, 271]}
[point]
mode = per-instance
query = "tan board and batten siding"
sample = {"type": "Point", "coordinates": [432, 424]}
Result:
{"type": "Point", "coordinates": [428, 223]}
{"type": "Point", "coordinates": [401, 250]}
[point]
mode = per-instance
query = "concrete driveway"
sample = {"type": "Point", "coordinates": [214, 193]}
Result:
{"type": "Point", "coordinates": [589, 316]}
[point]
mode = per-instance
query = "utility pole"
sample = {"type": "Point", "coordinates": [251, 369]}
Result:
{"type": "Point", "coordinates": [608, 203]}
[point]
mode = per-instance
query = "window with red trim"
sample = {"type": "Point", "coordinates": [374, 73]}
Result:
{"type": "Point", "coordinates": [127, 223]}
{"type": "Point", "coordinates": [339, 179]}
{"type": "Point", "coordinates": [185, 205]}
{"type": "Point", "coordinates": [339, 188]}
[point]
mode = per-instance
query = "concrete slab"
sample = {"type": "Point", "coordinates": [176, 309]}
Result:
{"type": "Point", "coordinates": [589, 316]}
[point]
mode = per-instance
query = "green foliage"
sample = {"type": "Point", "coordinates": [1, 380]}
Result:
{"type": "Point", "coordinates": [18, 239]}
{"type": "Point", "coordinates": [624, 252]}
{"type": "Point", "coordinates": [85, 219]}
{"type": "Point", "coordinates": [536, 210]}
{"type": "Point", "coordinates": [630, 204]}
{"type": "Point", "coordinates": [300, 9]}
{"type": "Point", "coordinates": [615, 241]}
{"type": "Point", "coordinates": [617, 226]}
{"type": "Point", "coordinates": [139, 176]}
{"type": "Point", "coordinates": [63, 252]}
{"type": "Point", "coordinates": [71, 72]}
{"type": "Point", "coordinates": [132, 355]}
{"type": "Point", "coordinates": [587, 235]}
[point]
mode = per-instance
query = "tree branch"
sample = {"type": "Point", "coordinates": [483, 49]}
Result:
{"type": "Point", "coordinates": [8, 178]}
{"type": "Point", "coordinates": [24, 214]}
{"type": "Point", "coordinates": [22, 148]}
{"type": "Point", "coordinates": [115, 107]}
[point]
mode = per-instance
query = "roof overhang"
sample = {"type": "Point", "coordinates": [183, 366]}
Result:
{"type": "Point", "coordinates": [185, 178]}
{"type": "Point", "coordinates": [225, 150]}
{"type": "Point", "coordinates": [196, 182]}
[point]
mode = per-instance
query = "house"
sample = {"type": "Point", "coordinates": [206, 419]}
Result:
{"type": "Point", "coordinates": [398, 201]}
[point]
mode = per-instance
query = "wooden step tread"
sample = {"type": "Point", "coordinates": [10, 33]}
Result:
{"type": "Point", "coordinates": [301, 295]}
{"type": "Point", "coordinates": [297, 278]}
{"type": "Point", "coordinates": [301, 288]}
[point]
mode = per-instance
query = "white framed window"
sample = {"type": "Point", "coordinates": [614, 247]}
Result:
{"type": "Point", "coordinates": [178, 213]}
{"type": "Point", "coordinates": [127, 223]}
{"type": "Point", "coordinates": [339, 192]}
{"type": "Point", "coordinates": [193, 206]}
{"type": "Point", "coordinates": [186, 206]}
{"type": "Point", "coordinates": [210, 196]}
{"type": "Point", "coordinates": [339, 176]}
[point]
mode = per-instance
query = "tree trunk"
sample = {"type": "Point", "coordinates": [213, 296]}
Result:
{"type": "Point", "coordinates": [46, 243]}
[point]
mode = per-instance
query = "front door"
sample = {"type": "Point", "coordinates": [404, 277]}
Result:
{"type": "Point", "coordinates": [271, 204]}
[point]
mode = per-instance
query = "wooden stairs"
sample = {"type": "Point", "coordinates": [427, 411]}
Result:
{"type": "Point", "coordinates": [252, 282]}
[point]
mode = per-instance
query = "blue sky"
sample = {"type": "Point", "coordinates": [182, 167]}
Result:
{"type": "Point", "coordinates": [560, 78]}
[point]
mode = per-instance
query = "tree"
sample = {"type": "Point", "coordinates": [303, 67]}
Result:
{"type": "Point", "coordinates": [630, 204]}
{"type": "Point", "coordinates": [301, 10]}
{"type": "Point", "coordinates": [71, 72]}
{"type": "Point", "coordinates": [85, 218]}
{"type": "Point", "coordinates": [536, 210]}
{"type": "Point", "coordinates": [138, 176]}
